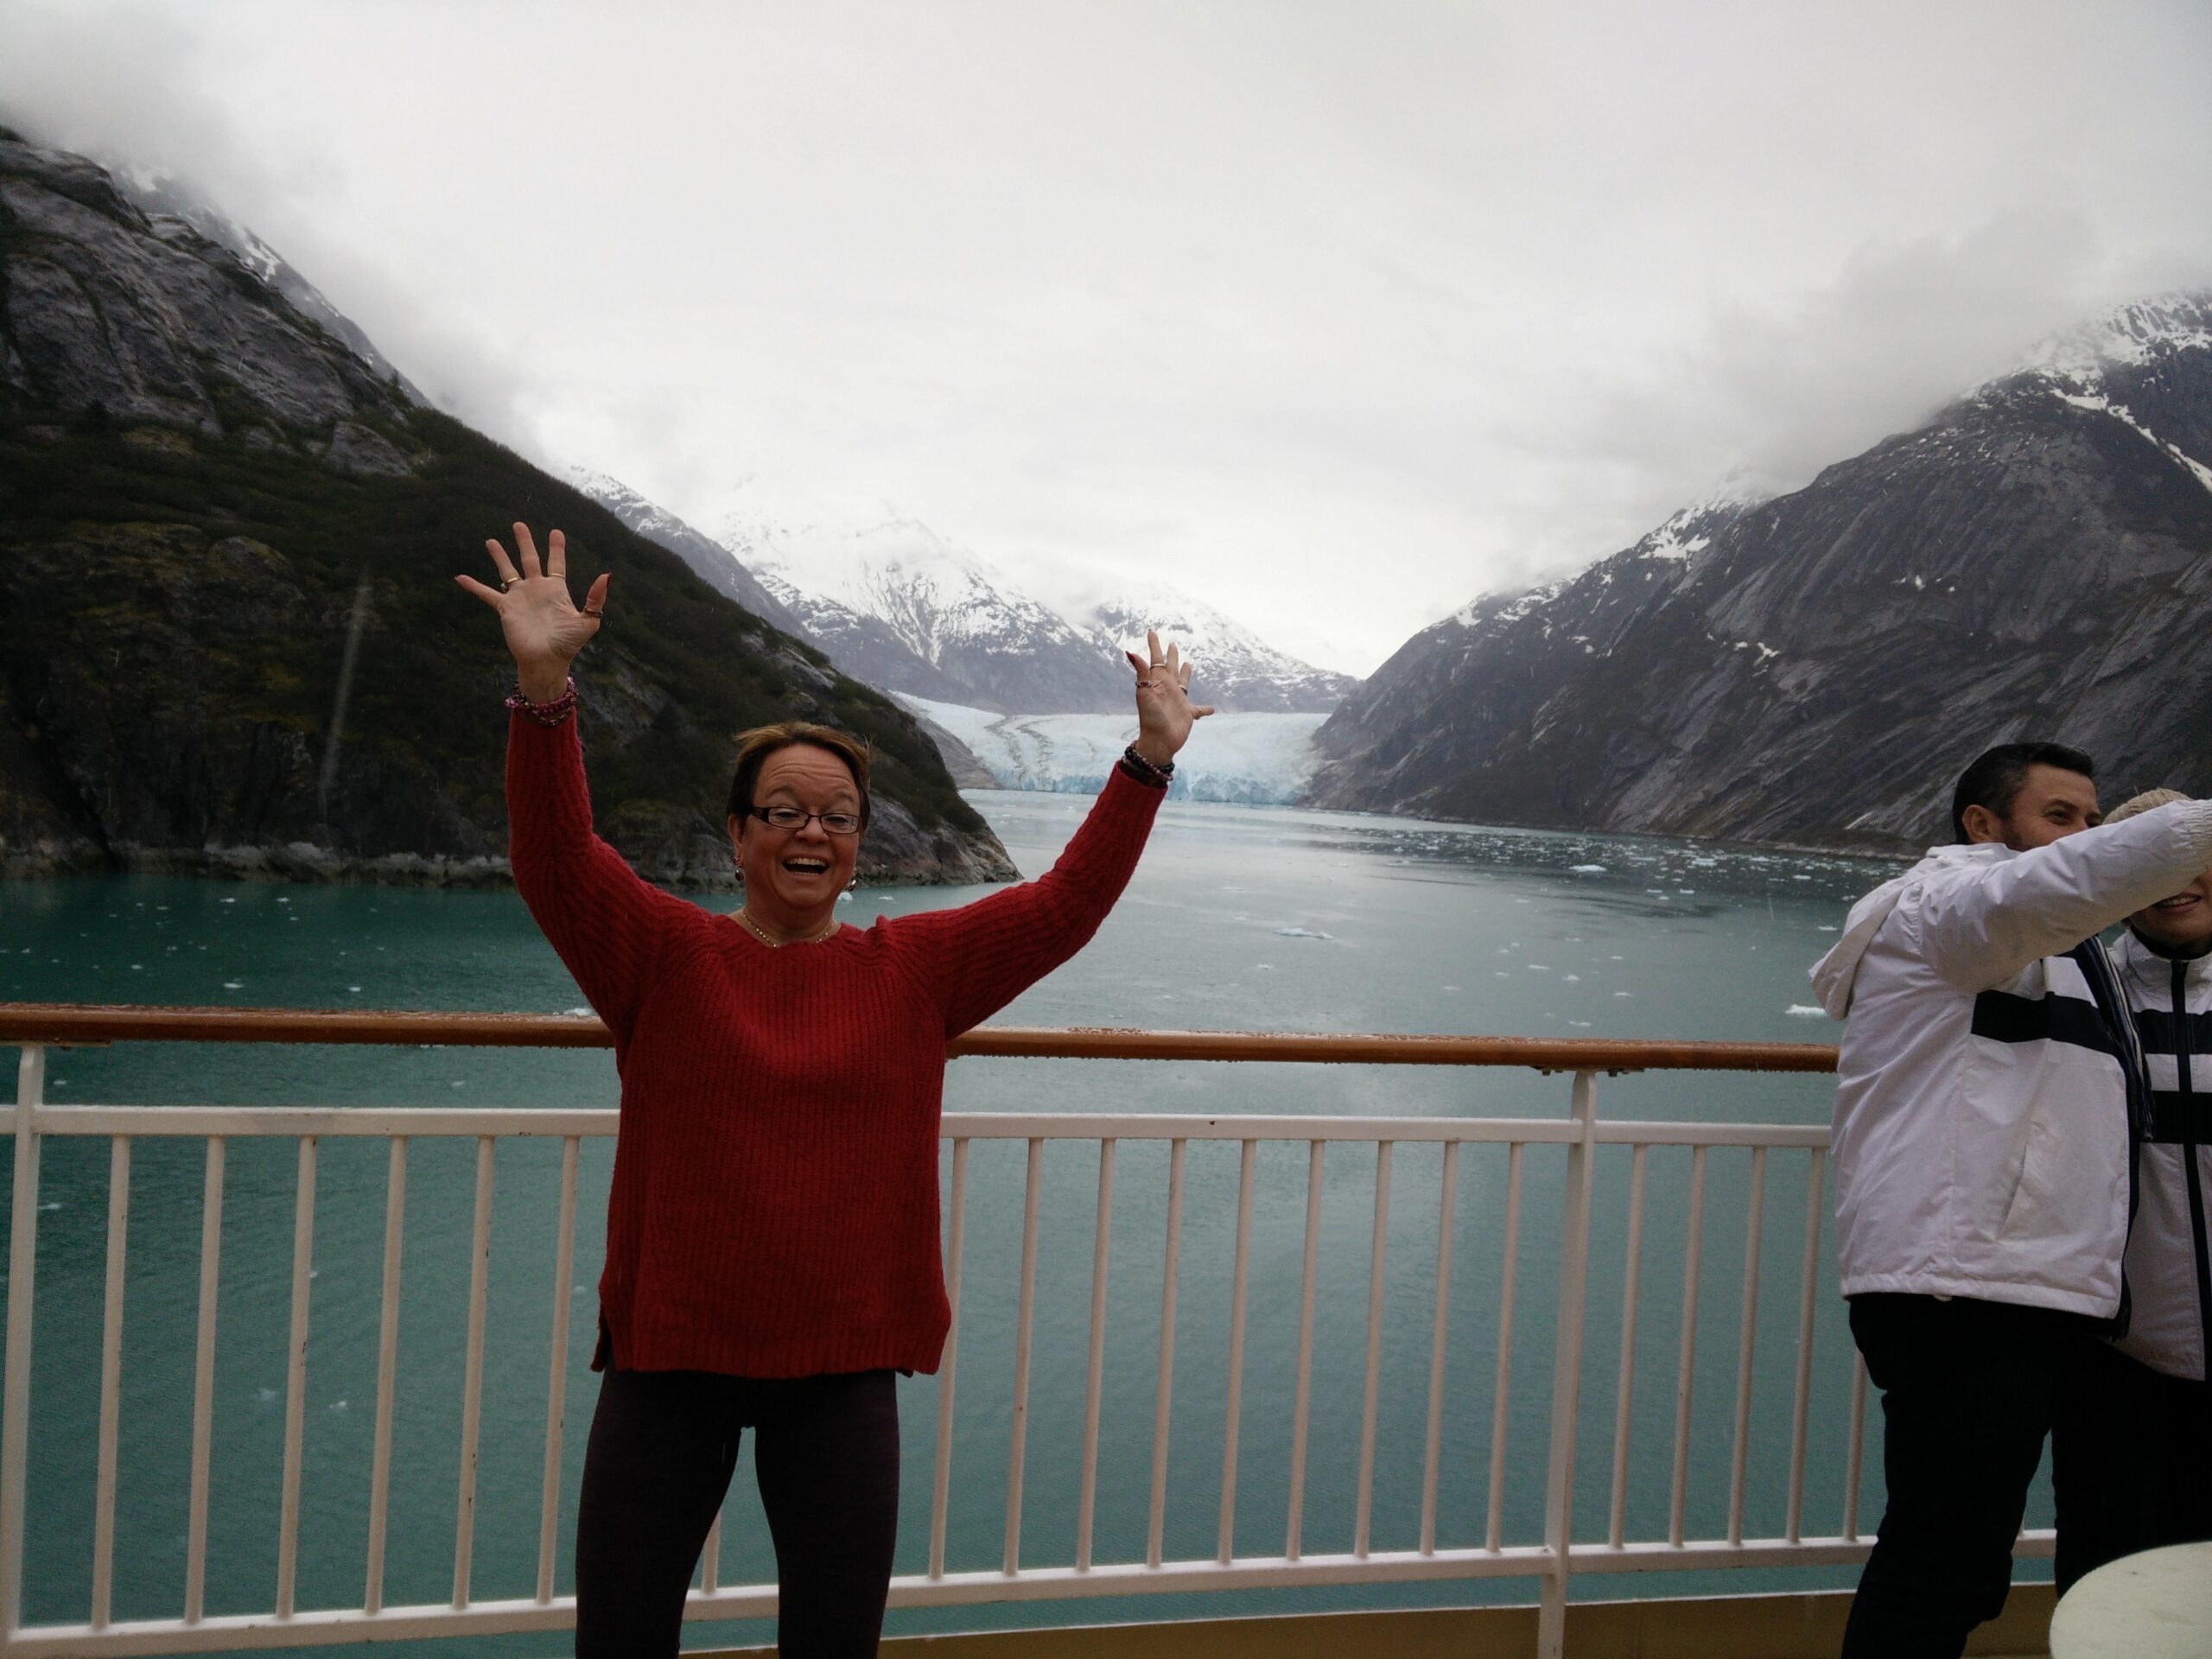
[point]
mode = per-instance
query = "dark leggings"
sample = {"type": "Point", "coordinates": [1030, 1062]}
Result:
{"type": "Point", "coordinates": [662, 1449]}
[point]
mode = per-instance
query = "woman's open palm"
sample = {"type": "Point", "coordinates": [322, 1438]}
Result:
{"type": "Point", "coordinates": [543, 628]}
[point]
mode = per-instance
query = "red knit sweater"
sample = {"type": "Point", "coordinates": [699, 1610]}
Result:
{"type": "Point", "coordinates": [774, 1210]}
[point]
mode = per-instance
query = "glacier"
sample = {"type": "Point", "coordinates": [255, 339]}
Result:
{"type": "Point", "coordinates": [1254, 760]}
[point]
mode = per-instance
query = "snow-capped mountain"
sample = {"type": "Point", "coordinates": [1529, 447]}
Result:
{"type": "Point", "coordinates": [1234, 668]}
{"type": "Point", "coordinates": [896, 603]}
{"type": "Point", "coordinates": [708, 559]}
{"type": "Point", "coordinates": [2031, 562]}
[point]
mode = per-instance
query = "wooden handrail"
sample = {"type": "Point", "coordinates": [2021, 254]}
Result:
{"type": "Point", "coordinates": [65, 1023]}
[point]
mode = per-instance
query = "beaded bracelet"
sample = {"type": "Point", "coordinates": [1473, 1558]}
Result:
{"type": "Point", "coordinates": [1144, 771]}
{"type": "Point", "coordinates": [546, 714]}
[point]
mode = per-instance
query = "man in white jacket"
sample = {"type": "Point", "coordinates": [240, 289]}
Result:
{"type": "Point", "coordinates": [1986, 1101]}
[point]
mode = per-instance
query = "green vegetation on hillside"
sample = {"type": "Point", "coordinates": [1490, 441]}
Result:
{"type": "Point", "coordinates": [174, 602]}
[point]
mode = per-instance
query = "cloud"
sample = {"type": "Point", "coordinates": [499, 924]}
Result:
{"type": "Point", "coordinates": [129, 84]}
{"type": "Point", "coordinates": [1334, 317]}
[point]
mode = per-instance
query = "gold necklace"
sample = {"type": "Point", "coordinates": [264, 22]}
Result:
{"type": "Point", "coordinates": [762, 934]}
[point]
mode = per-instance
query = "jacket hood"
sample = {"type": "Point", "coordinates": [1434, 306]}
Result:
{"type": "Point", "coordinates": [1834, 975]}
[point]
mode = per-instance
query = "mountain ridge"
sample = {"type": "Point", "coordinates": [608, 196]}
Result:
{"type": "Point", "coordinates": [1815, 667]}
{"type": "Point", "coordinates": [211, 505]}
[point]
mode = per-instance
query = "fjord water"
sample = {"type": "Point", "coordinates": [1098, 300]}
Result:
{"type": "Point", "coordinates": [1240, 918]}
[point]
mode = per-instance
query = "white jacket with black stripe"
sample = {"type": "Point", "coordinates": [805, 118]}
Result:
{"type": "Point", "coordinates": [1983, 1099]}
{"type": "Point", "coordinates": [2169, 1250]}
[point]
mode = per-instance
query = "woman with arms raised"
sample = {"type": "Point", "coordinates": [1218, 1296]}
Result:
{"type": "Point", "coordinates": [772, 1233]}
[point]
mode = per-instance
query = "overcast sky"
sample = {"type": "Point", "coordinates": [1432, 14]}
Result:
{"type": "Point", "coordinates": [1334, 314]}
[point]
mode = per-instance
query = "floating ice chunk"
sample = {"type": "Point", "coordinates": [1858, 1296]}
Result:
{"type": "Point", "coordinates": [1303, 933]}
{"type": "Point", "coordinates": [1574, 979]}
{"type": "Point", "coordinates": [1624, 993]}
{"type": "Point", "coordinates": [1587, 869]}
{"type": "Point", "coordinates": [1806, 1011]}
{"type": "Point", "coordinates": [1824, 928]}
{"type": "Point", "coordinates": [265, 1395]}
{"type": "Point", "coordinates": [355, 989]}
{"type": "Point", "coordinates": [234, 984]}
{"type": "Point", "coordinates": [577, 1014]}
{"type": "Point", "coordinates": [338, 1404]}
{"type": "Point", "coordinates": [1538, 968]}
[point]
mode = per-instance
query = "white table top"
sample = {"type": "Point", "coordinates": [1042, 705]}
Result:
{"type": "Point", "coordinates": [2154, 1605]}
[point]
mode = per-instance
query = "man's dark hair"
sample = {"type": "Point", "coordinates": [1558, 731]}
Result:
{"type": "Point", "coordinates": [1996, 776]}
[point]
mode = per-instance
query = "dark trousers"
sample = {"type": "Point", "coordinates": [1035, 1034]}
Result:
{"type": "Point", "coordinates": [663, 1447]}
{"type": "Point", "coordinates": [2132, 1457]}
{"type": "Point", "coordinates": [1969, 1390]}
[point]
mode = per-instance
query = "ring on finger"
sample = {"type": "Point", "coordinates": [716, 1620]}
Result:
{"type": "Point", "coordinates": [506, 583]}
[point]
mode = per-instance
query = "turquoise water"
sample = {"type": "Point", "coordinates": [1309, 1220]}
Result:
{"type": "Point", "coordinates": [1239, 918]}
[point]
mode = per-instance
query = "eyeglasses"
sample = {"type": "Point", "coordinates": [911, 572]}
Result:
{"type": "Point", "coordinates": [793, 818]}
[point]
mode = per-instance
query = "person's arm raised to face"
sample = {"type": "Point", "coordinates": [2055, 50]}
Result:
{"type": "Point", "coordinates": [979, 957]}
{"type": "Point", "coordinates": [1980, 930]}
{"type": "Point", "coordinates": [595, 910]}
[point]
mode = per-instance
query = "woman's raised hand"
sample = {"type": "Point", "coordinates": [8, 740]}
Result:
{"type": "Point", "coordinates": [543, 628]}
{"type": "Point", "coordinates": [1165, 711]}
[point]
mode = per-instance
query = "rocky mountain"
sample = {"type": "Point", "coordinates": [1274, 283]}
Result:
{"type": "Point", "coordinates": [229, 638]}
{"type": "Point", "coordinates": [898, 605]}
{"type": "Point", "coordinates": [2034, 561]}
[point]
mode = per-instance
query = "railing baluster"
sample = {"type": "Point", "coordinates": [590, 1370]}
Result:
{"type": "Point", "coordinates": [395, 1222]}
{"type": "Point", "coordinates": [1624, 1391]}
{"type": "Point", "coordinates": [1686, 1370]}
{"type": "Point", "coordinates": [119, 1229]}
{"type": "Point", "coordinates": [296, 1380]}
{"type": "Point", "coordinates": [1801, 1405]}
{"type": "Point", "coordinates": [1163, 1386]}
{"type": "Point", "coordinates": [1094, 1367]}
{"type": "Point", "coordinates": [203, 1382]}
{"type": "Point", "coordinates": [1740, 1455]}
{"type": "Point", "coordinates": [16, 1388]}
{"type": "Point", "coordinates": [556, 1373]}
{"type": "Point", "coordinates": [1302, 1396]}
{"type": "Point", "coordinates": [941, 1480]}
{"type": "Point", "coordinates": [1566, 1369]}
{"type": "Point", "coordinates": [471, 1397]}
{"type": "Point", "coordinates": [1232, 1420]}
{"type": "Point", "coordinates": [1448, 1204]}
{"type": "Point", "coordinates": [1025, 1327]}
{"type": "Point", "coordinates": [1376, 1246]}
{"type": "Point", "coordinates": [1855, 1447]}
{"type": "Point", "coordinates": [1502, 1383]}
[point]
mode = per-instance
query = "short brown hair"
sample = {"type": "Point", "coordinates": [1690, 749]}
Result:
{"type": "Point", "coordinates": [753, 748]}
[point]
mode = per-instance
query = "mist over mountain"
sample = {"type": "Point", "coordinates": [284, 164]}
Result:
{"type": "Point", "coordinates": [2034, 561]}
{"type": "Point", "coordinates": [229, 637]}
{"type": "Point", "coordinates": [905, 607]}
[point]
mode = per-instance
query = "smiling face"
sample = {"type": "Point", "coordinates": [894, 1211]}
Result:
{"type": "Point", "coordinates": [2181, 925]}
{"type": "Point", "coordinates": [792, 877]}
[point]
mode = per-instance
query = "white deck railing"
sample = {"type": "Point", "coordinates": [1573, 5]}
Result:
{"type": "Point", "coordinates": [1551, 1562]}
